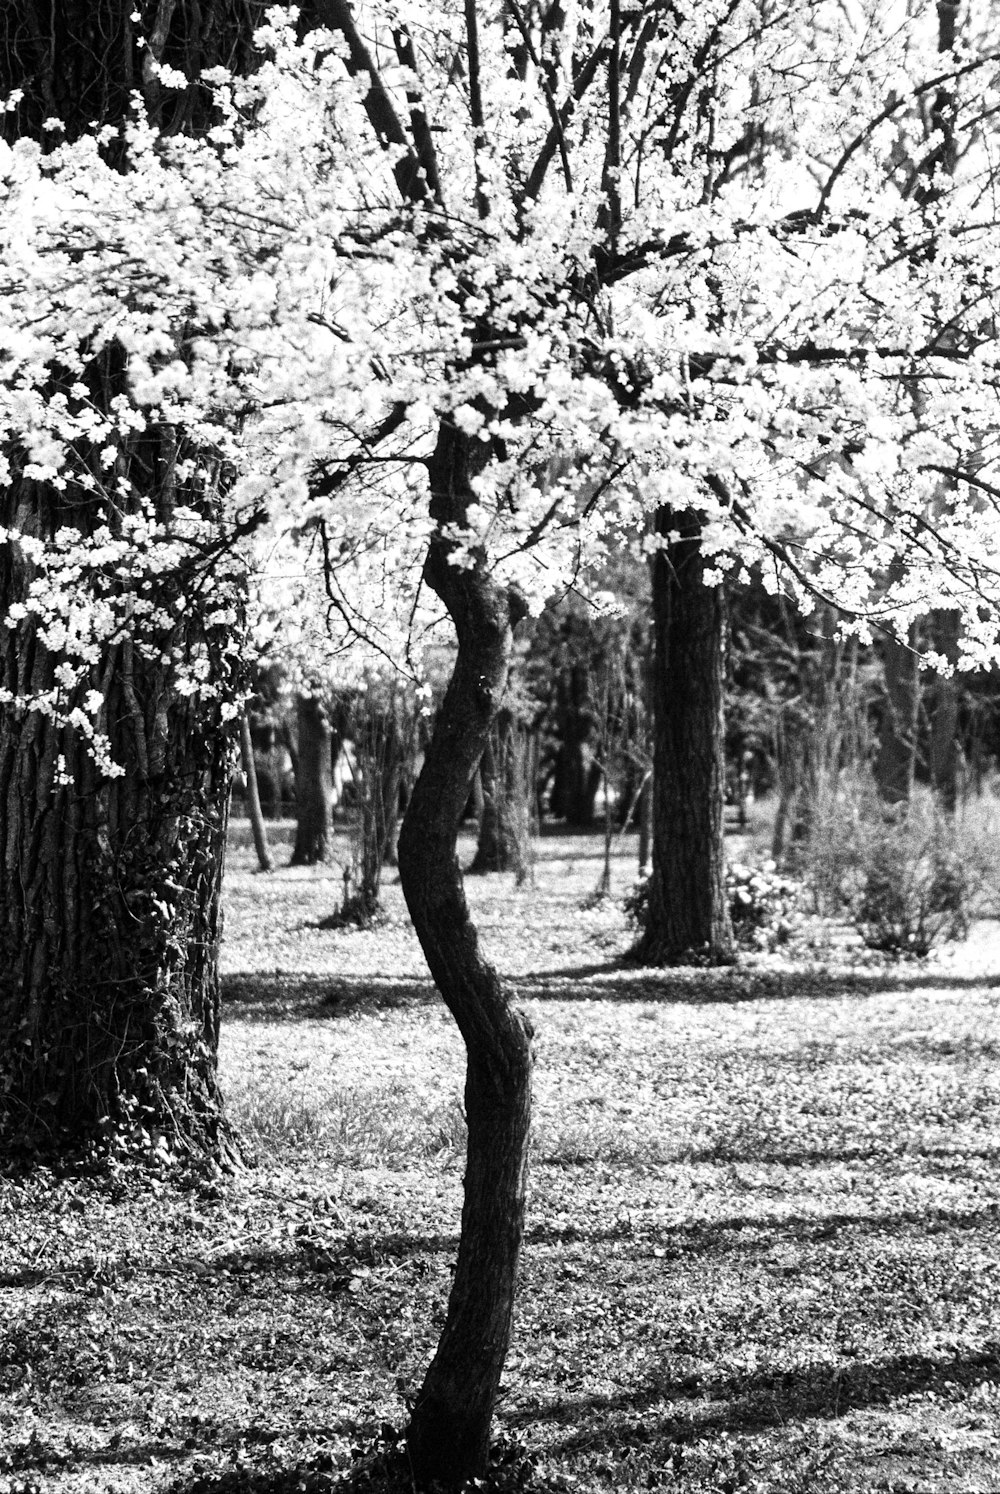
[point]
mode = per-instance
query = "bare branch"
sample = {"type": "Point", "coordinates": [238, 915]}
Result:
{"type": "Point", "coordinates": [550, 102]}
{"type": "Point", "coordinates": [476, 103]}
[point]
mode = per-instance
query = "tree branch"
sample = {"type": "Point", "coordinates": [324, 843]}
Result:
{"type": "Point", "coordinates": [426, 153]}
{"type": "Point", "coordinates": [476, 103]}
{"type": "Point", "coordinates": [550, 102]}
{"type": "Point", "coordinates": [337, 15]}
{"type": "Point", "coordinates": [890, 109]}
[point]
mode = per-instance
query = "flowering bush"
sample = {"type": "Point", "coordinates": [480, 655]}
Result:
{"type": "Point", "coordinates": [761, 904]}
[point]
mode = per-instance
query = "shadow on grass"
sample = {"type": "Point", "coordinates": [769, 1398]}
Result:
{"type": "Point", "coordinates": [37, 1455]}
{"type": "Point", "coordinates": [287, 997]}
{"type": "Point", "coordinates": [761, 1155]}
{"type": "Point", "coordinates": [746, 1234]}
{"type": "Point", "coordinates": [690, 985]}
{"type": "Point", "coordinates": [751, 1401]}
{"type": "Point", "coordinates": [646, 1416]}
{"type": "Point", "coordinates": [270, 998]}
{"type": "Point", "coordinates": [733, 1234]}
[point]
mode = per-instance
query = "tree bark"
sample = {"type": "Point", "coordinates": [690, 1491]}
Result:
{"type": "Point", "coordinates": [503, 827]}
{"type": "Point", "coordinates": [688, 916]}
{"type": "Point", "coordinates": [109, 887]}
{"type": "Point", "coordinates": [943, 747]}
{"type": "Point", "coordinates": [577, 776]}
{"type": "Point", "coordinates": [313, 782]}
{"type": "Point", "coordinates": [254, 812]}
{"type": "Point", "coordinates": [449, 1431]}
{"type": "Point", "coordinates": [897, 754]}
{"type": "Point", "coordinates": [377, 776]}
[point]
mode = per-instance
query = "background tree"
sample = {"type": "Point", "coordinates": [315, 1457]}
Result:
{"type": "Point", "coordinates": [381, 727]}
{"type": "Point", "coordinates": [255, 813]}
{"type": "Point", "coordinates": [504, 825]}
{"type": "Point", "coordinates": [318, 746]}
{"type": "Point", "coordinates": [688, 915]}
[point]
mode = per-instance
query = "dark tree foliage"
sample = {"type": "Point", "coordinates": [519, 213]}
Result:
{"type": "Point", "coordinates": [80, 61]}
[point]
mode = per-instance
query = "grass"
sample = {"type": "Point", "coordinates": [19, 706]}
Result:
{"type": "Point", "coordinates": [763, 1236]}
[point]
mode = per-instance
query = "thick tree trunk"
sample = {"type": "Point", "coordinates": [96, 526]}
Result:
{"type": "Point", "coordinates": [449, 1432]}
{"type": "Point", "coordinates": [688, 913]}
{"type": "Point", "coordinates": [313, 782]}
{"type": "Point", "coordinates": [503, 827]}
{"type": "Point", "coordinates": [109, 887]}
{"type": "Point", "coordinates": [254, 812]}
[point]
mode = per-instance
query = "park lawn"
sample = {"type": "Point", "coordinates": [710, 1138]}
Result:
{"type": "Point", "coordinates": [763, 1243]}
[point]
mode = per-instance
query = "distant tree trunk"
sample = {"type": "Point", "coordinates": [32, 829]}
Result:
{"type": "Point", "coordinates": [313, 782]}
{"type": "Point", "coordinates": [448, 1436]}
{"type": "Point", "coordinates": [476, 803]}
{"type": "Point", "coordinates": [797, 772]}
{"type": "Point", "coordinates": [896, 761]}
{"type": "Point", "coordinates": [378, 758]}
{"type": "Point", "coordinates": [577, 776]}
{"type": "Point", "coordinates": [391, 785]}
{"type": "Point", "coordinates": [942, 700]}
{"type": "Point", "coordinates": [503, 826]}
{"type": "Point", "coordinates": [688, 912]}
{"type": "Point", "coordinates": [254, 812]}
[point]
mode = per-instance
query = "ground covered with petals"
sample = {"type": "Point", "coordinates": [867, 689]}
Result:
{"type": "Point", "coordinates": [764, 1227]}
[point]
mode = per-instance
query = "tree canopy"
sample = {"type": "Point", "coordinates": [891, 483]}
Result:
{"type": "Point", "coordinates": [730, 260]}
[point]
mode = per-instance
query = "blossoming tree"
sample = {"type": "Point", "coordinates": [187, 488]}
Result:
{"type": "Point", "coordinates": [455, 300]}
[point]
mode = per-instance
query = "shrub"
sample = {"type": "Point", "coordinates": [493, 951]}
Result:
{"type": "Point", "coordinates": [907, 877]}
{"type": "Point", "coordinates": [915, 892]}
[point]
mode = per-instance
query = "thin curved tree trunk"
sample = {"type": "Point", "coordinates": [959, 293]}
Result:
{"type": "Point", "coordinates": [254, 812]}
{"type": "Point", "coordinates": [449, 1432]}
{"type": "Point", "coordinates": [688, 914]}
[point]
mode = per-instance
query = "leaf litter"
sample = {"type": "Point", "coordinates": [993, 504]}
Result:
{"type": "Point", "coordinates": [762, 1244]}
